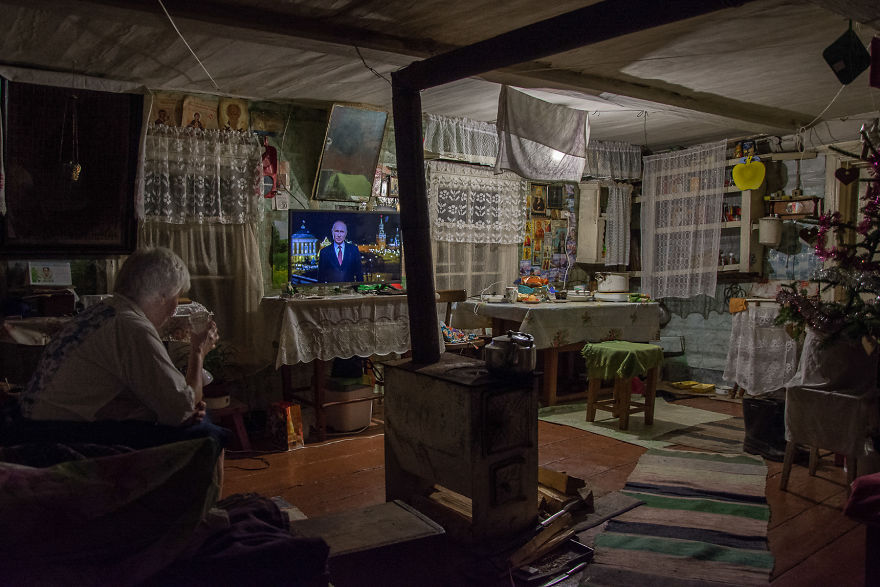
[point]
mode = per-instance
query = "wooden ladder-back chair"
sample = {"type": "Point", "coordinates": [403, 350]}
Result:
{"type": "Point", "coordinates": [448, 296]}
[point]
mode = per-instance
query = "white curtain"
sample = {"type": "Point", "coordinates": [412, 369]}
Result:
{"type": "Point", "coordinates": [539, 140]}
{"type": "Point", "coordinates": [461, 139]}
{"type": "Point", "coordinates": [613, 160]}
{"type": "Point", "coordinates": [471, 204]}
{"type": "Point", "coordinates": [617, 225]}
{"type": "Point", "coordinates": [477, 222]}
{"type": "Point", "coordinates": [202, 200]}
{"type": "Point", "coordinates": [682, 193]}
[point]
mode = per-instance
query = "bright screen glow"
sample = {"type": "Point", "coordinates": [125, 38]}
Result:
{"type": "Point", "coordinates": [315, 237]}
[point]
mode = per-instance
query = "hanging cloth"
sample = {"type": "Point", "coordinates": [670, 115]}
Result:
{"type": "Point", "coordinates": [539, 140]}
{"type": "Point", "coordinates": [617, 229]}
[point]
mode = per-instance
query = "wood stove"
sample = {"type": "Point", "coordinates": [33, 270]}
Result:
{"type": "Point", "coordinates": [455, 425]}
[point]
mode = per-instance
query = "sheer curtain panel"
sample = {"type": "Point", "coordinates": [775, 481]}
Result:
{"type": "Point", "coordinates": [617, 237]}
{"type": "Point", "coordinates": [477, 222]}
{"type": "Point", "coordinates": [202, 200]}
{"type": "Point", "coordinates": [680, 221]}
{"type": "Point", "coordinates": [613, 160]}
{"type": "Point", "coordinates": [461, 139]}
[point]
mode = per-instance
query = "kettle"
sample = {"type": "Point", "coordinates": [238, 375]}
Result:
{"type": "Point", "coordinates": [512, 353]}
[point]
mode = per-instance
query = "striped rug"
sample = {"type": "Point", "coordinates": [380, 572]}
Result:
{"type": "Point", "coordinates": [724, 436]}
{"type": "Point", "coordinates": [704, 522]}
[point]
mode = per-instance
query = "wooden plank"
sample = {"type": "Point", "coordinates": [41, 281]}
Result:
{"type": "Point", "coordinates": [368, 528]}
{"type": "Point", "coordinates": [528, 552]}
{"type": "Point", "coordinates": [560, 481]}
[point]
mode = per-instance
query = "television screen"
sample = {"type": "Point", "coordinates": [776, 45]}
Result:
{"type": "Point", "coordinates": [331, 246]}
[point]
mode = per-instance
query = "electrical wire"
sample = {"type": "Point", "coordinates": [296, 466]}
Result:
{"type": "Point", "coordinates": [376, 73]}
{"type": "Point", "coordinates": [171, 20]}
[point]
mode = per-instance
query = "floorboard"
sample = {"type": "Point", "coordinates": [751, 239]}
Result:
{"type": "Point", "coordinates": [812, 541]}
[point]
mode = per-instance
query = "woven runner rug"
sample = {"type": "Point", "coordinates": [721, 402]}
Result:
{"type": "Point", "coordinates": [704, 522]}
{"type": "Point", "coordinates": [724, 436]}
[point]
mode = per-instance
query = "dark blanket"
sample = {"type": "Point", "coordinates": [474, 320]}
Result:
{"type": "Point", "coordinates": [107, 515]}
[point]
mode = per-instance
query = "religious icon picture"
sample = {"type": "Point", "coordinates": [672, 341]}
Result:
{"type": "Point", "coordinates": [538, 197]}
{"type": "Point", "coordinates": [556, 199]}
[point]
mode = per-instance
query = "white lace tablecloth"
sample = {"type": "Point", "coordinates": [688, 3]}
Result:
{"type": "Point", "coordinates": [557, 324]}
{"type": "Point", "coordinates": [762, 356]}
{"type": "Point", "coordinates": [339, 326]}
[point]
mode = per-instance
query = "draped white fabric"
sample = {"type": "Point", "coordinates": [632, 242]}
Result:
{"type": "Point", "coordinates": [613, 160]}
{"type": "Point", "coordinates": [761, 356]}
{"type": "Point", "coordinates": [617, 224]}
{"type": "Point", "coordinates": [682, 193]}
{"type": "Point", "coordinates": [194, 176]}
{"type": "Point", "coordinates": [471, 204]}
{"type": "Point", "coordinates": [461, 139]}
{"type": "Point", "coordinates": [539, 140]}
{"type": "Point", "coordinates": [475, 266]}
{"type": "Point", "coordinates": [202, 200]}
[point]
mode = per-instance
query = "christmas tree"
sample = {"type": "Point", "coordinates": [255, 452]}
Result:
{"type": "Point", "coordinates": [856, 269]}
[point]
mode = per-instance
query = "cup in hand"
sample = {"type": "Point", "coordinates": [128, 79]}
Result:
{"type": "Point", "coordinates": [199, 321]}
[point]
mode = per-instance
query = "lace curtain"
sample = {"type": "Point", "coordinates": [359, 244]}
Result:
{"type": "Point", "coordinates": [681, 204]}
{"type": "Point", "coordinates": [202, 200]}
{"type": "Point", "coordinates": [617, 233]}
{"type": "Point", "coordinates": [613, 160]}
{"type": "Point", "coordinates": [470, 204]}
{"type": "Point", "coordinates": [194, 176]}
{"type": "Point", "coordinates": [461, 139]}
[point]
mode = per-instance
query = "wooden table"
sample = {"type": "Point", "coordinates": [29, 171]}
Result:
{"type": "Point", "coordinates": [563, 326]}
{"type": "Point", "coordinates": [319, 330]}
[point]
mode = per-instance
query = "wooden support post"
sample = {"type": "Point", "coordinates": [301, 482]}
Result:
{"type": "Point", "coordinates": [415, 223]}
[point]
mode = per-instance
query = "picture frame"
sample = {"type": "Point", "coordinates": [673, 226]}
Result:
{"type": "Point", "coordinates": [538, 199]}
{"type": "Point", "coordinates": [556, 197]}
{"type": "Point", "coordinates": [69, 194]}
{"type": "Point", "coordinates": [350, 154]}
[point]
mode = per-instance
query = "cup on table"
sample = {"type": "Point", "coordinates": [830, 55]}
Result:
{"type": "Point", "coordinates": [511, 294]}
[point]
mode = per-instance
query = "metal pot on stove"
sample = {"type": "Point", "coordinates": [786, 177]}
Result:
{"type": "Point", "coordinates": [512, 353]}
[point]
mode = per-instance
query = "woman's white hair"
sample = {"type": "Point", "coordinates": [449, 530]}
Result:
{"type": "Point", "coordinates": [152, 273]}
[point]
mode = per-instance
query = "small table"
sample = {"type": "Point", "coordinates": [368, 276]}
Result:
{"type": "Point", "coordinates": [563, 326]}
{"type": "Point", "coordinates": [317, 330]}
{"type": "Point", "coordinates": [761, 356]}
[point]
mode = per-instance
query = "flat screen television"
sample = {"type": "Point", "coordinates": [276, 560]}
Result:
{"type": "Point", "coordinates": [343, 247]}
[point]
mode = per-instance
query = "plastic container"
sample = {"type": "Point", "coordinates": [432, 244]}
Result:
{"type": "Point", "coordinates": [348, 417]}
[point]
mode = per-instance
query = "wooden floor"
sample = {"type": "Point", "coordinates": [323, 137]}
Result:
{"type": "Point", "coordinates": [811, 540]}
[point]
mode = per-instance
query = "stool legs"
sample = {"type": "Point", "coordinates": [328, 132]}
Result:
{"type": "Point", "coordinates": [623, 394]}
{"type": "Point", "coordinates": [651, 394]}
{"type": "Point", "coordinates": [592, 396]}
{"type": "Point", "coordinates": [786, 465]}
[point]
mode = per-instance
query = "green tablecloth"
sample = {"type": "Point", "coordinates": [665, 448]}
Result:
{"type": "Point", "coordinates": [619, 358]}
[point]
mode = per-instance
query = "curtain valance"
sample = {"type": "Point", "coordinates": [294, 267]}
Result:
{"type": "Point", "coordinates": [471, 204]}
{"type": "Point", "coordinates": [194, 176]}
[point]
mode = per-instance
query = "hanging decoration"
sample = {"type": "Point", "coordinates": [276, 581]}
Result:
{"type": "Point", "coordinates": [749, 175]}
{"type": "Point", "coordinates": [70, 167]}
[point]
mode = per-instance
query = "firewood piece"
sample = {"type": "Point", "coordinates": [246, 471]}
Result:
{"type": "Point", "coordinates": [560, 481]}
{"type": "Point", "coordinates": [526, 553]}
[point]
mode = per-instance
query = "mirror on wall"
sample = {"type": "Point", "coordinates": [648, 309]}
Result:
{"type": "Point", "coordinates": [350, 154]}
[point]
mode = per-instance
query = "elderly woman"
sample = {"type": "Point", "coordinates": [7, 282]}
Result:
{"type": "Point", "coordinates": [107, 377]}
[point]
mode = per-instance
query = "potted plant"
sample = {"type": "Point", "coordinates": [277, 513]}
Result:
{"type": "Point", "coordinates": [217, 362]}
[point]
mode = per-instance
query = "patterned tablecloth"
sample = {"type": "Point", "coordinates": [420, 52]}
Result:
{"type": "Point", "coordinates": [340, 326]}
{"type": "Point", "coordinates": [558, 324]}
{"type": "Point", "coordinates": [761, 356]}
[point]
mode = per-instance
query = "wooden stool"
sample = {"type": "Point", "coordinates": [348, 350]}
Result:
{"type": "Point", "coordinates": [234, 411]}
{"type": "Point", "coordinates": [621, 361]}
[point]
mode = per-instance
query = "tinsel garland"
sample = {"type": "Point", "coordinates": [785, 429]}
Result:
{"type": "Point", "coordinates": [857, 270]}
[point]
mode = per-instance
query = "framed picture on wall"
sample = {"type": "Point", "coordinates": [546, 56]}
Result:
{"type": "Point", "coordinates": [556, 197]}
{"type": "Point", "coordinates": [538, 199]}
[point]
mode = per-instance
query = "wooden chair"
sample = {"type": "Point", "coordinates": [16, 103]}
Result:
{"type": "Point", "coordinates": [448, 296]}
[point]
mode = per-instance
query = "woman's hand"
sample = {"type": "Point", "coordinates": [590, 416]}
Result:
{"type": "Point", "coordinates": [198, 415]}
{"type": "Point", "coordinates": [203, 342]}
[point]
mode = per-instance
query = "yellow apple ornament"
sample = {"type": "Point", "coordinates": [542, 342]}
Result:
{"type": "Point", "coordinates": [748, 175]}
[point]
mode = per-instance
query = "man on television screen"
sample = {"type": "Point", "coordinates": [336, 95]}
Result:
{"type": "Point", "coordinates": [341, 261]}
